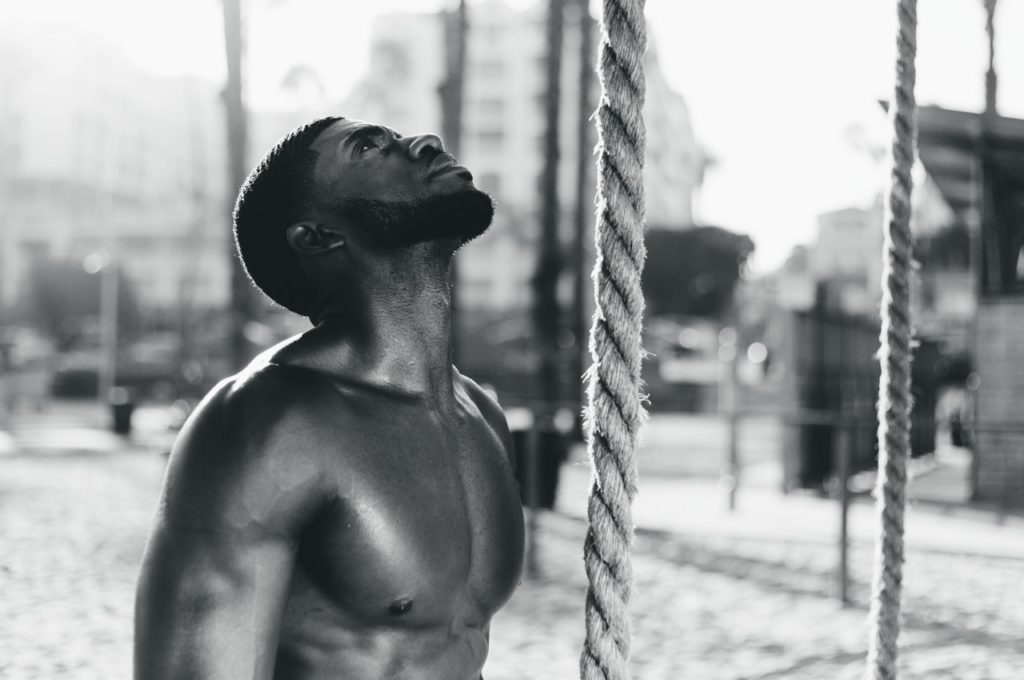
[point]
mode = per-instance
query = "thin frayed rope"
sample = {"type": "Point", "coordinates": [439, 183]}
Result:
{"type": "Point", "coordinates": [896, 340]}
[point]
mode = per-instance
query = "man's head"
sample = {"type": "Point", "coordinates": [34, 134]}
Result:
{"type": "Point", "coordinates": [337, 184]}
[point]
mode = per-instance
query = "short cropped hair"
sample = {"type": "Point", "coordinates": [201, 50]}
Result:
{"type": "Point", "coordinates": [277, 194]}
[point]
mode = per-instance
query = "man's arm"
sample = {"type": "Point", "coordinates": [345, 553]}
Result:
{"type": "Point", "coordinates": [216, 571]}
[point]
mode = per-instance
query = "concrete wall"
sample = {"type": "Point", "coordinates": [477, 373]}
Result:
{"type": "Point", "coordinates": [999, 412]}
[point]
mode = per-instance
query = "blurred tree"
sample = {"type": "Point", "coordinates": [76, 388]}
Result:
{"type": "Point", "coordinates": [693, 271]}
{"type": "Point", "coordinates": [240, 311]}
{"type": "Point", "coordinates": [451, 90]}
{"type": "Point", "coordinates": [63, 298]}
{"type": "Point", "coordinates": [546, 313]}
{"type": "Point", "coordinates": [991, 80]}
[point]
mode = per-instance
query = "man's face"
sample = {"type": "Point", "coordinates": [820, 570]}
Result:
{"type": "Point", "coordinates": [398, 190]}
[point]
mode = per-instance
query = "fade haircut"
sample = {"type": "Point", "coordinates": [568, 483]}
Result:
{"type": "Point", "coordinates": [277, 194]}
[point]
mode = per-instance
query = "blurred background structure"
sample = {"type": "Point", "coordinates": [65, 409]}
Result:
{"type": "Point", "coordinates": [127, 127]}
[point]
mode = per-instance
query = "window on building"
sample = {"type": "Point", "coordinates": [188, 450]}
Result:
{"type": "Point", "coordinates": [393, 60]}
{"type": "Point", "coordinates": [491, 33]}
{"type": "Point", "coordinates": [490, 70]}
{"type": "Point", "coordinates": [492, 108]}
{"type": "Point", "coordinates": [491, 140]}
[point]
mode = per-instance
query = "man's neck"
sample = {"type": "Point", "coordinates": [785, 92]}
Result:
{"type": "Point", "coordinates": [392, 329]}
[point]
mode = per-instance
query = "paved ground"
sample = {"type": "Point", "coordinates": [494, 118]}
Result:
{"type": "Point", "coordinates": [72, 529]}
{"type": "Point", "coordinates": [750, 608]}
{"type": "Point", "coordinates": [746, 595]}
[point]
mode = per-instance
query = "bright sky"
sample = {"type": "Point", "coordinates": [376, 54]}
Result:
{"type": "Point", "coordinates": [776, 89]}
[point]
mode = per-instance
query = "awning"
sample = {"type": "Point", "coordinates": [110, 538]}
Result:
{"type": "Point", "coordinates": [955, 145]}
{"type": "Point", "coordinates": [977, 161]}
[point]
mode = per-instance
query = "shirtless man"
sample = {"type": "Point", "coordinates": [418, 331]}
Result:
{"type": "Point", "coordinates": [344, 507]}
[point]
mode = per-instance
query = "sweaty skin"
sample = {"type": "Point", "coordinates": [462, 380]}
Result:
{"type": "Point", "coordinates": [345, 507]}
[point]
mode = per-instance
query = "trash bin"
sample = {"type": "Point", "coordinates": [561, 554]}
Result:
{"type": "Point", "coordinates": [816, 459]}
{"type": "Point", "coordinates": [122, 406]}
{"type": "Point", "coordinates": [552, 450]}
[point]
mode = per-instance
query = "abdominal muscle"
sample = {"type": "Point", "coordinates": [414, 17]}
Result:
{"type": "Point", "coordinates": [384, 654]}
{"type": "Point", "coordinates": [320, 640]}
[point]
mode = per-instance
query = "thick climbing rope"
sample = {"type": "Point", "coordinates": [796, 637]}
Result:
{"type": "Point", "coordinates": [614, 409]}
{"type": "Point", "coordinates": [894, 402]}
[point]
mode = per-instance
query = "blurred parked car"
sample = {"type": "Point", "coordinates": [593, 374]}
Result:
{"type": "Point", "coordinates": [149, 368]}
{"type": "Point", "coordinates": [26, 368]}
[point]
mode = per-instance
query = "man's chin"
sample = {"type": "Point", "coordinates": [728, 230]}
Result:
{"type": "Point", "coordinates": [457, 217]}
{"type": "Point", "coordinates": [477, 214]}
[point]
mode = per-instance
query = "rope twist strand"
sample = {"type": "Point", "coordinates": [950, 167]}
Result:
{"type": "Point", "coordinates": [896, 339]}
{"type": "Point", "coordinates": [615, 410]}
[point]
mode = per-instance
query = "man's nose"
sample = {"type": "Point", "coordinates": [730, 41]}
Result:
{"type": "Point", "coordinates": [422, 145]}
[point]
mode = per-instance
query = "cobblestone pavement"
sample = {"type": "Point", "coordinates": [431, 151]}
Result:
{"type": "Point", "coordinates": [72, 529]}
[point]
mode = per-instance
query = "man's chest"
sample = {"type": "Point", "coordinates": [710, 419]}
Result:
{"type": "Point", "coordinates": [427, 526]}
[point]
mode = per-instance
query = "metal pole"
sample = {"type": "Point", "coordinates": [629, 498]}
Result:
{"type": "Point", "coordinates": [729, 404]}
{"type": "Point", "coordinates": [991, 80]}
{"type": "Point", "coordinates": [5, 230]}
{"type": "Point", "coordinates": [452, 94]}
{"type": "Point", "coordinates": [547, 314]}
{"type": "Point", "coordinates": [239, 309]}
{"type": "Point", "coordinates": [842, 449]}
{"type": "Point", "coordinates": [109, 290]}
{"type": "Point", "coordinates": [734, 448]}
{"type": "Point", "coordinates": [532, 479]}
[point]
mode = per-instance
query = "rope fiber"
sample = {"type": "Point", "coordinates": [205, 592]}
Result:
{"type": "Point", "coordinates": [614, 403]}
{"type": "Point", "coordinates": [896, 341]}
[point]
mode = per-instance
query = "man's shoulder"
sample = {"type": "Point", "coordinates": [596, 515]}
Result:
{"type": "Point", "coordinates": [256, 399]}
{"type": "Point", "coordinates": [244, 444]}
{"type": "Point", "coordinates": [486, 401]}
{"type": "Point", "coordinates": [490, 410]}
{"type": "Point", "coordinates": [492, 413]}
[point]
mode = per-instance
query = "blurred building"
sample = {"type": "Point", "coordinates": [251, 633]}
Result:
{"type": "Point", "coordinates": [99, 156]}
{"type": "Point", "coordinates": [977, 161]}
{"type": "Point", "coordinates": [792, 286]}
{"type": "Point", "coordinates": [844, 264]}
{"type": "Point", "coordinates": [847, 257]}
{"type": "Point", "coordinates": [503, 129]}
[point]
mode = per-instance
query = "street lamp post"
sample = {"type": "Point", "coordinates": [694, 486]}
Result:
{"type": "Point", "coordinates": [104, 264]}
{"type": "Point", "coordinates": [109, 285]}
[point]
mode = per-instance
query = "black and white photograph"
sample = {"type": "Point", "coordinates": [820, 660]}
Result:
{"type": "Point", "coordinates": [511, 340]}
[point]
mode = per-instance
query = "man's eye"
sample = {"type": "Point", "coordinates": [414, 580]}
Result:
{"type": "Point", "coordinates": [366, 145]}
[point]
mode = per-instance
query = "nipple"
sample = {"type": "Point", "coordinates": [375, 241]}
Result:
{"type": "Point", "coordinates": [399, 607]}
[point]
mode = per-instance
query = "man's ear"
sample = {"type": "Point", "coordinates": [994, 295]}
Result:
{"type": "Point", "coordinates": [311, 238]}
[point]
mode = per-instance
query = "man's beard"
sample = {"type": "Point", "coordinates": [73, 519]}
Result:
{"type": "Point", "coordinates": [458, 217]}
